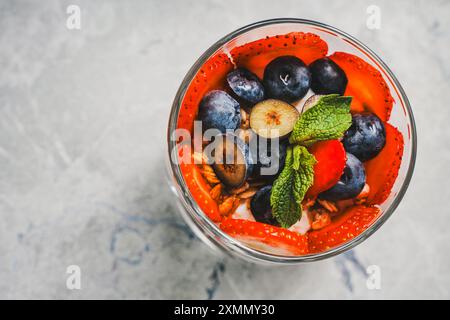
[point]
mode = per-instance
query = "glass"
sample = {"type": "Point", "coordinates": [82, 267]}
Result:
{"type": "Point", "coordinates": [337, 40]}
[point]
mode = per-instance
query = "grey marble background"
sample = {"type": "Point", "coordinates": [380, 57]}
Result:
{"type": "Point", "coordinates": [82, 139]}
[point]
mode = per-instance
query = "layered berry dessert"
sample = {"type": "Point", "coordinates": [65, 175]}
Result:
{"type": "Point", "coordinates": [296, 153]}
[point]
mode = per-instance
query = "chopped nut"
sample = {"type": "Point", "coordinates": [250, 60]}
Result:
{"type": "Point", "coordinates": [226, 207]}
{"type": "Point", "coordinates": [241, 189]}
{"type": "Point", "coordinates": [199, 158]}
{"type": "Point", "coordinates": [248, 194]}
{"type": "Point", "coordinates": [244, 115]}
{"type": "Point", "coordinates": [245, 120]}
{"type": "Point", "coordinates": [362, 196]}
{"type": "Point", "coordinates": [245, 124]}
{"type": "Point", "coordinates": [328, 205]}
{"type": "Point", "coordinates": [216, 192]}
{"type": "Point", "coordinates": [209, 174]}
{"type": "Point", "coordinates": [308, 203]}
{"type": "Point", "coordinates": [320, 220]}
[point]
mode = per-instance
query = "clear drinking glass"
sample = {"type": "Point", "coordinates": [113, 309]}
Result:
{"type": "Point", "coordinates": [401, 117]}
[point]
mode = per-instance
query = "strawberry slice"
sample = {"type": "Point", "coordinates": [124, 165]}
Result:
{"type": "Point", "coordinates": [345, 227]}
{"type": "Point", "coordinates": [257, 54]}
{"type": "Point", "coordinates": [382, 171]}
{"type": "Point", "coordinates": [330, 157]}
{"type": "Point", "coordinates": [198, 187]}
{"type": "Point", "coordinates": [210, 76]}
{"type": "Point", "coordinates": [265, 237]}
{"type": "Point", "coordinates": [366, 85]}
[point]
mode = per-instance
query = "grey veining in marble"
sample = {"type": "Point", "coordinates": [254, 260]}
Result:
{"type": "Point", "coordinates": [82, 139]}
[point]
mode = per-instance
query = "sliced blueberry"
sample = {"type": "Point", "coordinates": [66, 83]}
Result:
{"type": "Point", "coordinates": [351, 182]}
{"type": "Point", "coordinates": [286, 78]}
{"type": "Point", "coordinates": [233, 163]}
{"type": "Point", "coordinates": [218, 110]}
{"type": "Point", "coordinates": [274, 119]}
{"type": "Point", "coordinates": [260, 206]}
{"type": "Point", "coordinates": [246, 85]}
{"type": "Point", "coordinates": [327, 77]}
{"type": "Point", "coordinates": [269, 163]}
{"type": "Point", "coordinates": [366, 136]}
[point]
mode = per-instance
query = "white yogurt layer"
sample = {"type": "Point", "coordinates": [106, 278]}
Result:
{"type": "Point", "coordinates": [302, 226]}
{"type": "Point", "coordinates": [242, 212]}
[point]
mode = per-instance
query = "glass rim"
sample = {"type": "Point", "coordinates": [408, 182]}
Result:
{"type": "Point", "coordinates": [194, 210]}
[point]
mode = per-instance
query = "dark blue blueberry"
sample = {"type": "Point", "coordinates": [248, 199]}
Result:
{"type": "Point", "coordinates": [327, 77]}
{"type": "Point", "coordinates": [260, 206]}
{"type": "Point", "coordinates": [246, 85]}
{"type": "Point", "coordinates": [218, 110]}
{"type": "Point", "coordinates": [268, 160]}
{"type": "Point", "coordinates": [286, 78]}
{"type": "Point", "coordinates": [366, 136]}
{"type": "Point", "coordinates": [233, 162]}
{"type": "Point", "coordinates": [351, 182]}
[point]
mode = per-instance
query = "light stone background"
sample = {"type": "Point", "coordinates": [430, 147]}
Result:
{"type": "Point", "coordinates": [82, 140]}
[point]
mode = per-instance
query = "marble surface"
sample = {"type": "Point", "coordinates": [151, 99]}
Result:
{"type": "Point", "coordinates": [82, 139]}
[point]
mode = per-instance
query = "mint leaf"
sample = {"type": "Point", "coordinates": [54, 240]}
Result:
{"type": "Point", "coordinates": [303, 165]}
{"type": "Point", "coordinates": [326, 120]}
{"type": "Point", "coordinates": [284, 205]}
{"type": "Point", "coordinates": [290, 187]}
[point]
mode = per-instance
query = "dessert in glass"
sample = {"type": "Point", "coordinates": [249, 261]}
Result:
{"type": "Point", "coordinates": [289, 141]}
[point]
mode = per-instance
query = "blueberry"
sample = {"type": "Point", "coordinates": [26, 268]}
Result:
{"type": "Point", "coordinates": [351, 182]}
{"type": "Point", "coordinates": [260, 206]}
{"type": "Point", "coordinates": [286, 78]}
{"type": "Point", "coordinates": [246, 85]}
{"type": "Point", "coordinates": [233, 162]}
{"type": "Point", "coordinates": [366, 136]}
{"type": "Point", "coordinates": [220, 111]}
{"type": "Point", "coordinates": [327, 77]}
{"type": "Point", "coordinates": [270, 161]}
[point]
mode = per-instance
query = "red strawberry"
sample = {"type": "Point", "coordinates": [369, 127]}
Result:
{"type": "Point", "coordinates": [345, 227]}
{"type": "Point", "coordinates": [210, 76]}
{"type": "Point", "coordinates": [198, 187]}
{"type": "Point", "coordinates": [330, 157]}
{"type": "Point", "coordinates": [382, 171]}
{"type": "Point", "coordinates": [265, 237]}
{"type": "Point", "coordinates": [257, 54]}
{"type": "Point", "coordinates": [366, 85]}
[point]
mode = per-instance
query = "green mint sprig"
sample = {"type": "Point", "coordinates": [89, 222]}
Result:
{"type": "Point", "coordinates": [328, 119]}
{"type": "Point", "coordinates": [291, 185]}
